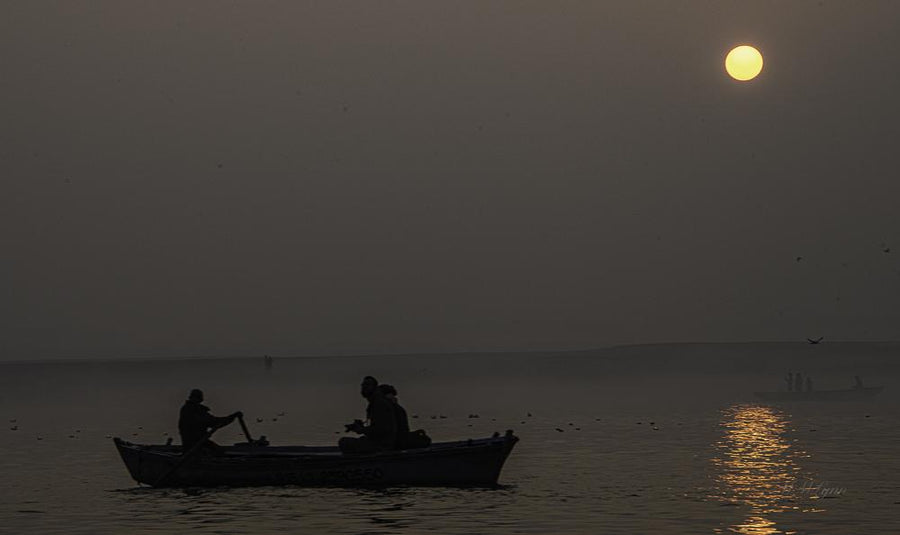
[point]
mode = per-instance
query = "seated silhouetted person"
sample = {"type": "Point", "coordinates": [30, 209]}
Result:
{"type": "Point", "coordinates": [195, 423]}
{"type": "Point", "coordinates": [405, 439]}
{"type": "Point", "coordinates": [380, 432]}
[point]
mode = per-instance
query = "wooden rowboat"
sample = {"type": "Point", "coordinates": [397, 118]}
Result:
{"type": "Point", "coordinates": [463, 463]}
{"type": "Point", "coordinates": [849, 394]}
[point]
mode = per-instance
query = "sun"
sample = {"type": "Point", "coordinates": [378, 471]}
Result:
{"type": "Point", "coordinates": [744, 63]}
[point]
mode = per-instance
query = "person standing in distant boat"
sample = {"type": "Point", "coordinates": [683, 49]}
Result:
{"type": "Point", "coordinates": [798, 382]}
{"type": "Point", "coordinates": [790, 381]}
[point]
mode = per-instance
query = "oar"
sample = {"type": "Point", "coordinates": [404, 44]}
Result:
{"type": "Point", "coordinates": [185, 457]}
{"type": "Point", "coordinates": [246, 431]}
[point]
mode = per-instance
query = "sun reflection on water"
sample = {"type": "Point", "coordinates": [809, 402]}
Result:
{"type": "Point", "coordinates": [757, 466]}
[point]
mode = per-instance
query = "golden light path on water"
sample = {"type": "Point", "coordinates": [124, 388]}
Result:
{"type": "Point", "coordinates": [757, 467]}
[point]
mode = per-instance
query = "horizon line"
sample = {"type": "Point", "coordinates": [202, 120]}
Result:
{"type": "Point", "coordinates": [145, 358]}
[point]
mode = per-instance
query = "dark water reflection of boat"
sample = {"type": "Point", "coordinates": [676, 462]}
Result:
{"type": "Point", "coordinates": [757, 467]}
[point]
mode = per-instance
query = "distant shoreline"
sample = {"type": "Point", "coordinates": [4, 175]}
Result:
{"type": "Point", "coordinates": [608, 351]}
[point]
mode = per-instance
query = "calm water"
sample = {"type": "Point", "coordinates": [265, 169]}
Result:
{"type": "Point", "coordinates": [654, 439]}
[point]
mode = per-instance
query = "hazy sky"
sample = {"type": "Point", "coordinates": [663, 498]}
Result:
{"type": "Point", "coordinates": [292, 178]}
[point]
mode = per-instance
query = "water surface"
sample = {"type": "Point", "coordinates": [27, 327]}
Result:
{"type": "Point", "coordinates": [646, 440]}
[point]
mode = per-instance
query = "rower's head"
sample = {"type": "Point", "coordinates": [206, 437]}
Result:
{"type": "Point", "coordinates": [368, 386]}
{"type": "Point", "coordinates": [196, 395]}
{"type": "Point", "coordinates": [389, 392]}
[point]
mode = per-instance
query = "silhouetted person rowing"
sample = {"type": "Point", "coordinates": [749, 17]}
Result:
{"type": "Point", "coordinates": [380, 433]}
{"type": "Point", "coordinates": [195, 422]}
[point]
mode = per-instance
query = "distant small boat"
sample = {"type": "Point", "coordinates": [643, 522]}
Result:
{"type": "Point", "coordinates": [463, 463]}
{"type": "Point", "coordinates": [848, 394]}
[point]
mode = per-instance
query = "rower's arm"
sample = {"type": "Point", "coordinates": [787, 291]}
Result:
{"type": "Point", "coordinates": [216, 422]}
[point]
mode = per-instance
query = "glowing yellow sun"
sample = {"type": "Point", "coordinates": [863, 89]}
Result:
{"type": "Point", "coordinates": [744, 63]}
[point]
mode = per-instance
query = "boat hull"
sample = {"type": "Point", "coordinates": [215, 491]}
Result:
{"type": "Point", "coordinates": [464, 463]}
{"type": "Point", "coordinates": [850, 394]}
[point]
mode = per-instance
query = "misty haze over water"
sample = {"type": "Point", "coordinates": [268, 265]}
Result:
{"type": "Point", "coordinates": [632, 439]}
{"type": "Point", "coordinates": [346, 178]}
{"type": "Point", "coordinates": [461, 199]}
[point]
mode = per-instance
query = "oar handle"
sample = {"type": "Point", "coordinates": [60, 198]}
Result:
{"type": "Point", "coordinates": [244, 428]}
